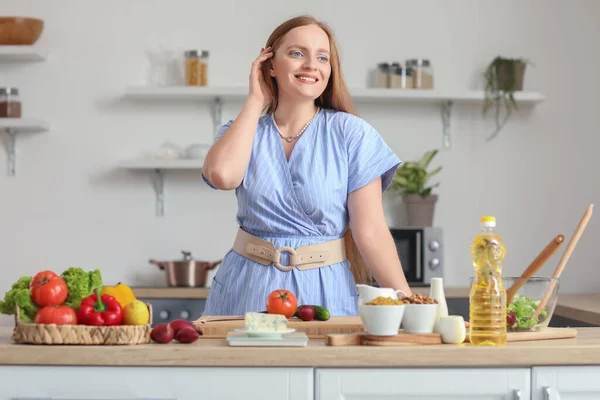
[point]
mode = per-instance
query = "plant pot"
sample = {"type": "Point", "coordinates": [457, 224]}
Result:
{"type": "Point", "coordinates": [420, 209]}
{"type": "Point", "coordinates": [503, 76]}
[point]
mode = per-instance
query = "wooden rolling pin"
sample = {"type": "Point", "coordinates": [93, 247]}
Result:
{"type": "Point", "coordinates": [535, 265]}
{"type": "Point", "coordinates": [565, 257]}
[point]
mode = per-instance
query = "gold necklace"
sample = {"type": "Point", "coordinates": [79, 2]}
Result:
{"type": "Point", "coordinates": [290, 139]}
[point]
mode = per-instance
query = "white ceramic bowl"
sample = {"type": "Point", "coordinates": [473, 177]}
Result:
{"type": "Point", "coordinates": [197, 151]}
{"type": "Point", "coordinates": [452, 329]}
{"type": "Point", "coordinates": [419, 318]}
{"type": "Point", "coordinates": [381, 320]}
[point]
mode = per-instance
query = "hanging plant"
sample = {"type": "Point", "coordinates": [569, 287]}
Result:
{"type": "Point", "coordinates": [503, 77]}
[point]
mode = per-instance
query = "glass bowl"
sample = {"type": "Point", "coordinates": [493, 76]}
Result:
{"type": "Point", "coordinates": [525, 302]}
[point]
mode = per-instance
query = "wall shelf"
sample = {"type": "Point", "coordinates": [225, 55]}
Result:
{"type": "Point", "coordinates": [158, 166]}
{"type": "Point", "coordinates": [14, 126]}
{"type": "Point", "coordinates": [22, 54]}
{"type": "Point", "coordinates": [445, 99]}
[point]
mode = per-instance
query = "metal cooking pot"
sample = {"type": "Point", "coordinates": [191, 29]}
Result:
{"type": "Point", "coordinates": [186, 272]}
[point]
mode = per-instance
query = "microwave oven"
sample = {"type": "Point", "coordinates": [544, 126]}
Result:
{"type": "Point", "coordinates": [421, 252]}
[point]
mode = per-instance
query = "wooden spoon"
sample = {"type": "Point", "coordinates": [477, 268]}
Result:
{"type": "Point", "coordinates": [565, 257]}
{"type": "Point", "coordinates": [535, 265]}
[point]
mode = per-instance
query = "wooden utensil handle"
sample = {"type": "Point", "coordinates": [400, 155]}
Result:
{"type": "Point", "coordinates": [563, 261]}
{"type": "Point", "coordinates": [535, 265]}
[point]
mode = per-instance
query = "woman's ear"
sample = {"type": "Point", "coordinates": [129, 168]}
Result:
{"type": "Point", "coordinates": [271, 69]}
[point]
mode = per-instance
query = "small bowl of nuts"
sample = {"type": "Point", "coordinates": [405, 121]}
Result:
{"type": "Point", "coordinates": [420, 313]}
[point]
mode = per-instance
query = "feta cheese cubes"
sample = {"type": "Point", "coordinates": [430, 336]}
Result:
{"type": "Point", "coordinates": [265, 322]}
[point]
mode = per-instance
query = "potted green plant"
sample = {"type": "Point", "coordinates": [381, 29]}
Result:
{"type": "Point", "coordinates": [411, 181]}
{"type": "Point", "coordinates": [503, 77]}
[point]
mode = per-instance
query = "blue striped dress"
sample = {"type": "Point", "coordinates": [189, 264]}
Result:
{"type": "Point", "coordinates": [300, 202]}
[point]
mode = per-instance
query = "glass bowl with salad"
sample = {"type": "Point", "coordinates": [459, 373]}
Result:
{"type": "Point", "coordinates": [526, 301]}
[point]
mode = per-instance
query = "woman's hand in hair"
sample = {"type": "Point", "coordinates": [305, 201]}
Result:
{"type": "Point", "coordinates": [259, 90]}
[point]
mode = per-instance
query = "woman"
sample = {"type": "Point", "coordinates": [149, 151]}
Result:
{"type": "Point", "coordinates": [303, 173]}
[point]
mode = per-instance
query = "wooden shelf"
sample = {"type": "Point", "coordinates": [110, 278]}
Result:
{"type": "Point", "coordinates": [22, 54]}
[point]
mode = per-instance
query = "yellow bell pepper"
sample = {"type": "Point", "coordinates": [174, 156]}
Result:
{"type": "Point", "coordinates": [121, 292]}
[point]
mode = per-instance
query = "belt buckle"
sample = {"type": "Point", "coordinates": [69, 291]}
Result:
{"type": "Point", "coordinates": [278, 252]}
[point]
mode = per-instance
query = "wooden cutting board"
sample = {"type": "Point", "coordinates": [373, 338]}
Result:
{"type": "Point", "coordinates": [360, 338]}
{"type": "Point", "coordinates": [544, 334]}
{"type": "Point", "coordinates": [402, 339]}
{"type": "Point", "coordinates": [220, 326]}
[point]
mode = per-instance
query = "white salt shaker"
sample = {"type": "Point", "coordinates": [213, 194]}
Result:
{"type": "Point", "coordinates": [436, 292]}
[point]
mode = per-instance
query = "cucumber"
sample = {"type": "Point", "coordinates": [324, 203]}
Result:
{"type": "Point", "coordinates": [321, 313]}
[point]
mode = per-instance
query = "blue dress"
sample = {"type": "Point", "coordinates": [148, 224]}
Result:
{"type": "Point", "coordinates": [296, 203]}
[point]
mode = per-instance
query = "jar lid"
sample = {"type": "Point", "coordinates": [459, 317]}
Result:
{"type": "Point", "coordinates": [196, 53]}
{"type": "Point", "coordinates": [9, 91]}
{"type": "Point", "coordinates": [418, 62]}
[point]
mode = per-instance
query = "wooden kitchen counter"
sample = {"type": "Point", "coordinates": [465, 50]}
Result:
{"type": "Point", "coordinates": [583, 350]}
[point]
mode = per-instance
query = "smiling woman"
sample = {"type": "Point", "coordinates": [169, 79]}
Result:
{"type": "Point", "coordinates": [304, 173]}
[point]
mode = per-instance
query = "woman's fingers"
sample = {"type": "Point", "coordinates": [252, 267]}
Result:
{"type": "Point", "coordinates": [262, 58]}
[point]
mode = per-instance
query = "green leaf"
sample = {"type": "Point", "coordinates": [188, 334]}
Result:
{"type": "Point", "coordinates": [426, 159]}
{"type": "Point", "coordinates": [434, 172]}
{"type": "Point", "coordinates": [412, 177]}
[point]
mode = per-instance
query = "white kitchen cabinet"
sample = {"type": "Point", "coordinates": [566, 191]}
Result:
{"type": "Point", "coordinates": [154, 383]}
{"type": "Point", "coordinates": [423, 384]}
{"type": "Point", "coordinates": [566, 383]}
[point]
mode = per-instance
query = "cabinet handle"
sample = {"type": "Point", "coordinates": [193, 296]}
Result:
{"type": "Point", "coordinates": [517, 394]}
{"type": "Point", "coordinates": [550, 394]}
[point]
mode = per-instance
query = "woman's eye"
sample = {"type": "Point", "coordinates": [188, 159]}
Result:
{"type": "Point", "coordinates": [296, 53]}
{"type": "Point", "coordinates": [323, 59]}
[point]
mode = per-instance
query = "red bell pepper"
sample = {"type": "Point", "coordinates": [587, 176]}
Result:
{"type": "Point", "coordinates": [100, 310]}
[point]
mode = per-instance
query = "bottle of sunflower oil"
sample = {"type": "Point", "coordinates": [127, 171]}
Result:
{"type": "Point", "coordinates": [487, 298]}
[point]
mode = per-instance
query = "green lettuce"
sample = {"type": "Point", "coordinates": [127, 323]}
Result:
{"type": "Point", "coordinates": [520, 311]}
{"type": "Point", "coordinates": [20, 295]}
{"type": "Point", "coordinates": [81, 284]}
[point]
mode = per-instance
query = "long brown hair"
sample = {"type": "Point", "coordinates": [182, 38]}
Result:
{"type": "Point", "coordinates": [334, 97]}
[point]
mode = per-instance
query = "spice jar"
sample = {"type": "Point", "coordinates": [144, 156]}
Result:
{"type": "Point", "coordinates": [401, 78]}
{"type": "Point", "coordinates": [196, 67]}
{"type": "Point", "coordinates": [422, 73]}
{"type": "Point", "coordinates": [382, 77]}
{"type": "Point", "coordinates": [10, 103]}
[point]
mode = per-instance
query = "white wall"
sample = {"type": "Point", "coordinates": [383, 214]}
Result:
{"type": "Point", "coordinates": [69, 205]}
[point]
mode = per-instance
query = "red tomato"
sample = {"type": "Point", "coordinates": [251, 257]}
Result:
{"type": "Point", "coordinates": [59, 315]}
{"type": "Point", "coordinates": [48, 289]}
{"type": "Point", "coordinates": [282, 302]}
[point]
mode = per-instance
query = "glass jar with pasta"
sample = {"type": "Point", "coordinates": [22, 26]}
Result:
{"type": "Point", "coordinates": [196, 67]}
{"type": "Point", "coordinates": [422, 73]}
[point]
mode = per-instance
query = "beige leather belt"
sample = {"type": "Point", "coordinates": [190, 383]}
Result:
{"type": "Point", "coordinates": [304, 257]}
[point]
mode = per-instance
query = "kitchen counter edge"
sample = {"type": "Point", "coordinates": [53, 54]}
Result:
{"type": "Point", "coordinates": [583, 350]}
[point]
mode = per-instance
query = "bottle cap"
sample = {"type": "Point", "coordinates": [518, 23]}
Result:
{"type": "Point", "coordinates": [488, 221]}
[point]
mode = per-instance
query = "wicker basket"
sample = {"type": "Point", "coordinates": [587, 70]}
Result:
{"type": "Point", "coordinates": [81, 334]}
